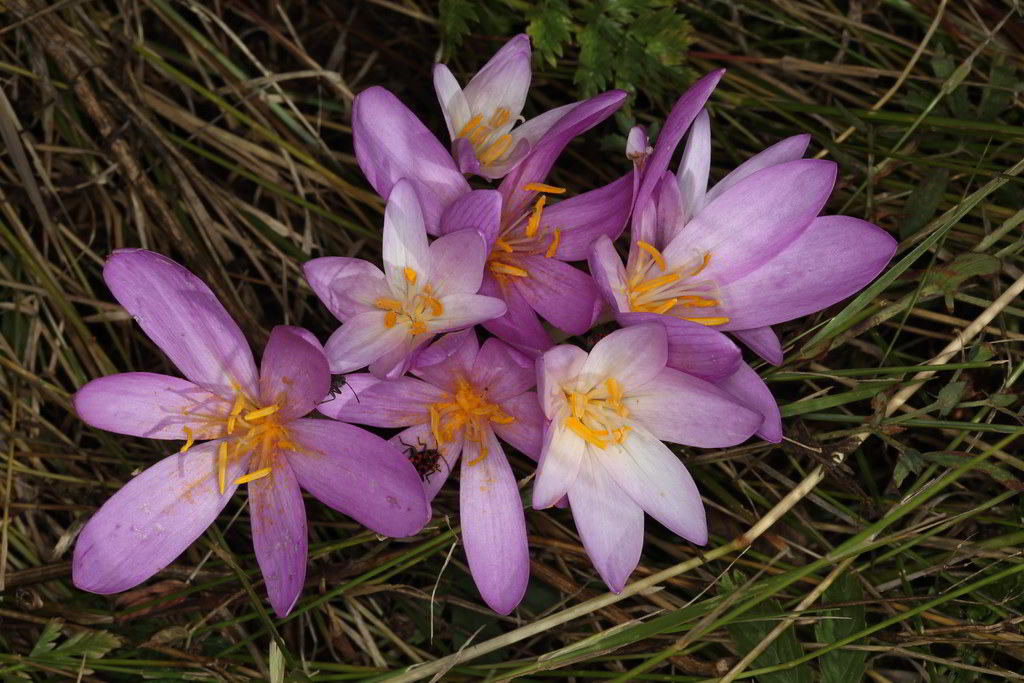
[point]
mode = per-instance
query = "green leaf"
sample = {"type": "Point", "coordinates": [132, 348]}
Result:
{"type": "Point", "coordinates": [457, 17]}
{"type": "Point", "coordinates": [909, 461]}
{"type": "Point", "coordinates": [949, 278]}
{"type": "Point", "coordinates": [924, 201]}
{"type": "Point", "coordinates": [47, 638]}
{"type": "Point", "coordinates": [949, 397]}
{"type": "Point", "coordinates": [841, 666]}
{"type": "Point", "coordinates": [550, 29]}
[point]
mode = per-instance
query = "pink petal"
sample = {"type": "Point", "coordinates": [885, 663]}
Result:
{"type": "Point", "coordinates": [560, 462]}
{"type": "Point", "coordinates": [563, 295]}
{"type": "Point", "coordinates": [183, 317]}
{"type": "Point", "coordinates": [750, 390]}
{"type": "Point", "coordinates": [586, 217]}
{"type": "Point", "coordinates": [558, 368]}
{"type": "Point", "coordinates": [360, 475]}
{"type": "Point", "coordinates": [153, 518]}
{"type": "Point", "coordinates": [526, 432]}
{"type": "Point", "coordinates": [503, 81]}
{"type": "Point", "coordinates": [396, 361]}
{"type": "Point", "coordinates": [457, 263]}
{"type": "Point", "coordinates": [682, 409]}
{"type": "Point", "coordinates": [692, 348]}
{"type": "Point", "coordinates": [391, 143]}
{"type": "Point", "coordinates": [672, 211]}
{"type": "Point", "coordinates": [608, 273]}
{"type": "Point", "coordinates": [633, 356]}
{"type": "Point", "coordinates": [761, 340]}
{"type": "Point", "coordinates": [463, 310]}
{"type": "Point", "coordinates": [453, 102]}
{"type": "Point", "coordinates": [448, 358]}
{"type": "Point", "coordinates": [493, 526]}
{"type": "Point", "coordinates": [150, 405]}
{"type": "Point", "coordinates": [695, 166]}
{"type": "Point", "coordinates": [346, 286]}
{"type": "Point", "coordinates": [479, 210]}
{"type": "Point", "coordinates": [294, 373]}
{"type": "Point", "coordinates": [610, 524]}
{"type": "Point", "coordinates": [362, 340]}
{"type": "Point", "coordinates": [418, 438]}
{"type": "Point", "coordinates": [502, 372]}
{"type": "Point", "coordinates": [278, 518]}
{"type": "Point", "coordinates": [520, 325]}
{"type": "Point", "coordinates": [405, 239]}
{"type": "Point", "coordinates": [654, 478]}
{"type": "Point", "coordinates": [398, 402]}
{"type": "Point", "coordinates": [789, 149]}
{"type": "Point", "coordinates": [465, 157]}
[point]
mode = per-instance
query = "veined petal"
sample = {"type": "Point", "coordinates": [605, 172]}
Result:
{"type": "Point", "coordinates": [671, 211]}
{"type": "Point", "coordinates": [682, 409]}
{"type": "Point", "coordinates": [750, 390]}
{"type": "Point", "coordinates": [586, 217]}
{"type": "Point", "coordinates": [405, 239]}
{"type": "Point", "coordinates": [360, 475]}
{"type": "Point", "coordinates": [559, 464]}
{"type": "Point", "coordinates": [397, 360]}
{"type": "Point", "coordinates": [362, 340]}
{"type": "Point", "coordinates": [609, 274]}
{"type": "Point", "coordinates": [526, 432]}
{"type": "Point", "coordinates": [391, 143]}
{"type": "Point", "coordinates": [183, 317]}
{"type": "Point", "coordinates": [559, 367]}
{"type": "Point", "coordinates": [563, 295]}
{"type": "Point", "coordinates": [398, 402]}
{"type": "Point", "coordinates": [493, 525]}
{"type": "Point", "coordinates": [763, 341]}
{"type": "Point", "coordinates": [346, 286]}
{"type": "Point", "coordinates": [465, 157]}
{"type": "Point", "coordinates": [835, 257]}
{"type": "Point", "coordinates": [503, 81]}
{"type": "Point", "coordinates": [454, 105]}
{"type": "Point", "coordinates": [658, 482]}
{"type": "Point", "coordinates": [294, 373]}
{"type": "Point", "coordinates": [789, 149]}
{"type": "Point", "coordinates": [150, 405]}
{"type": "Point", "coordinates": [755, 219]}
{"type": "Point", "coordinates": [419, 437]}
{"type": "Point", "coordinates": [457, 263]}
{"type": "Point", "coordinates": [449, 357]}
{"type": "Point", "coordinates": [520, 325]}
{"type": "Point", "coordinates": [479, 210]}
{"type": "Point", "coordinates": [153, 518]}
{"type": "Point", "coordinates": [610, 524]}
{"type": "Point", "coordinates": [502, 371]}
{"type": "Point", "coordinates": [695, 166]}
{"type": "Point", "coordinates": [633, 355]}
{"type": "Point", "coordinates": [692, 348]}
{"type": "Point", "coordinates": [278, 518]}
{"type": "Point", "coordinates": [463, 310]}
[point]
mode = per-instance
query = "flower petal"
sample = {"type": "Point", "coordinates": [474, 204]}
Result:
{"type": "Point", "coordinates": [584, 218]}
{"type": "Point", "coordinates": [563, 295]}
{"type": "Point", "coordinates": [559, 464]}
{"type": "Point", "coordinates": [360, 475]}
{"type": "Point", "coordinates": [457, 263]}
{"type": "Point", "coordinates": [520, 325]}
{"type": "Point", "coordinates": [658, 482]}
{"type": "Point", "coordinates": [153, 518]}
{"type": "Point", "coordinates": [465, 157]}
{"type": "Point", "coordinates": [449, 357]}
{"type": "Point", "coordinates": [750, 390]}
{"type": "Point", "coordinates": [682, 409]}
{"type": "Point", "coordinates": [789, 149]}
{"type": "Point", "coordinates": [150, 405]}
{"type": "Point", "coordinates": [502, 372]}
{"type": "Point", "coordinates": [526, 432]}
{"type": "Point", "coordinates": [278, 518]}
{"type": "Point", "coordinates": [633, 355]}
{"type": "Point", "coordinates": [671, 213]}
{"type": "Point", "coordinates": [608, 273]}
{"type": "Point", "coordinates": [610, 524]}
{"type": "Point", "coordinates": [397, 402]}
{"type": "Point", "coordinates": [755, 219]}
{"type": "Point", "coordinates": [503, 81]}
{"type": "Point", "coordinates": [391, 143]}
{"type": "Point", "coordinates": [695, 166]}
{"type": "Point", "coordinates": [559, 367]}
{"type": "Point", "coordinates": [761, 340]}
{"type": "Point", "coordinates": [183, 317]}
{"type": "Point", "coordinates": [463, 310]}
{"type": "Point", "coordinates": [405, 238]}
{"type": "Point", "coordinates": [361, 340]}
{"type": "Point", "coordinates": [692, 348]}
{"type": "Point", "coordinates": [454, 105]}
{"type": "Point", "coordinates": [419, 437]}
{"type": "Point", "coordinates": [396, 361]}
{"type": "Point", "coordinates": [479, 210]}
{"type": "Point", "coordinates": [346, 286]}
{"type": "Point", "coordinates": [493, 525]}
{"type": "Point", "coordinates": [835, 257]}
{"type": "Point", "coordinates": [294, 373]}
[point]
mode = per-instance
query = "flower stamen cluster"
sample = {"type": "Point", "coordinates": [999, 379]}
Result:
{"type": "Point", "coordinates": [598, 414]}
{"type": "Point", "coordinates": [419, 307]}
{"type": "Point", "coordinates": [509, 246]}
{"type": "Point", "coordinates": [468, 410]}
{"type": "Point", "coordinates": [490, 140]}
{"type": "Point", "coordinates": [654, 287]}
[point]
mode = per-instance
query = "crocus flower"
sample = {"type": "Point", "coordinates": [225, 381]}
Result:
{"type": "Point", "coordinates": [528, 242]}
{"type": "Point", "coordinates": [610, 410]}
{"type": "Point", "coordinates": [462, 399]}
{"type": "Point", "coordinates": [257, 433]}
{"type": "Point", "coordinates": [424, 289]}
{"type": "Point", "coordinates": [482, 118]}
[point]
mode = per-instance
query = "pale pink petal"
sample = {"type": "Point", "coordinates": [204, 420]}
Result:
{"type": "Point", "coordinates": [520, 325]}
{"type": "Point", "coordinates": [183, 317]}
{"type": "Point", "coordinates": [563, 295]}
{"type": "Point", "coordinates": [763, 341]}
{"type": "Point", "coordinates": [750, 390]}
{"type": "Point", "coordinates": [278, 518]}
{"type": "Point", "coordinates": [419, 438]}
{"type": "Point", "coordinates": [789, 149]}
{"type": "Point", "coordinates": [695, 166]}
{"type": "Point", "coordinates": [453, 102]}
{"type": "Point", "coordinates": [153, 518]}
{"type": "Point", "coordinates": [362, 340]}
{"type": "Point", "coordinates": [150, 405]}
{"type": "Point", "coordinates": [346, 286]}
{"type": "Point", "coordinates": [457, 263]}
{"type": "Point", "coordinates": [358, 474]}
{"type": "Point", "coordinates": [493, 525]}
{"type": "Point", "coordinates": [526, 432]}
{"type": "Point", "coordinates": [293, 374]}
{"type": "Point", "coordinates": [449, 357]}
{"type": "Point", "coordinates": [633, 356]}
{"type": "Point", "coordinates": [398, 402]}
{"type": "Point", "coordinates": [559, 463]}
{"type": "Point", "coordinates": [405, 239]}
{"type": "Point", "coordinates": [692, 348]}
{"type": "Point", "coordinates": [395, 362]}
{"type": "Point", "coordinates": [637, 147]}
{"type": "Point", "coordinates": [463, 310]}
{"type": "Point", "coordinates": [609, 274]}
{"type": "Point", "coordinates": [671, 210]}
{"type": "Point", "coordinates": [503, 81]}
{"type": "Point", "coordinates": [557, 370]}
{"type": "Point", "coordinates": [501, 371]}
{"type": "Point", "coordinates": [586, 217]}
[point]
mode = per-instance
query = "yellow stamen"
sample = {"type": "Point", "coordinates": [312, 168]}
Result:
{"type": "Point", "coordinates": [252, 476]}
{"type": "Point", "coordinates": [410, 275]}
{"type": "Point", "coordinates": [499, 117]}
{"type": "Point", "coordinates": [239, 405]}
{"type": "Point", "coordinates": [222, 465]}
{"type": "Point", "coordinates": [435, 305]}
{"type": "Point", "coordinates": [695, 301]}
{"type": "Point", "coordinates": [479, 135]}
{"type": "Point", "coordinates": [506, 269]}
{"type": "Point", "coordinates": [503, 245]}
{"type": "Point", "coordinates": [470, 125]}
{"type": "Point", "coordinates": [655, 254]}
{"type": "Point", "coordinates": [502, 419]}
{"type": "Point", "coordinates": [542, 187]}
{"type": "Point", "coordinates": [553, 247]}
{"type": "Point", "coordinates": [435, 423]}
{"type": "Point", "coordinates": [390, 319]}
{"type": "Point", "coordinates": [620, 433]}
{"type": "Point", "coordinates": [497, 148]}
{"type": "Point", "coordinates": [702, 266]}
{"type": "Point", "coordinates": [585, 433]}
{"type": "Point", "coordinates": [417, 327]}
{"type": "Point", "coordinates": [480, 458]}
{"type": "Point", "coordinates": [614, 389]}
{"type": "Point", "coordinates": [388, 304]}
{"type": "Point", "coordinates": [656, 282]}
{"type": "Point", "coordinates": [262, 412]}
{"type": "Point", "coordinates": [231, 424]}
{"type": "Point", "coordinates": [710, 322]}
{"type": "Point", "coordinates": [188, 440]}
{"type": "Point", "coordinates": [665, 306]}
{"type": "Point", "coordinates": [534, 222]}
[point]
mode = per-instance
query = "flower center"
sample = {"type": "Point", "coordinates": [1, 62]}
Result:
{"type": "Point", "coordinates": [523, 236]}
{"type": "Point", "coordinates": [490, 139]}
{"type": "Point", "coordinates": [652, 287]}
{"type": "Point", "coordinates": [468, 410]}
{"type": "Point", "coordinates": [419, 306]}
{"type": "Point", "coordinates": [598, 415]}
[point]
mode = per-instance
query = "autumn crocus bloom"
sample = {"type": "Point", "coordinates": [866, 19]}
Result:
{"type": "Point", "coordinates": [257, 433]}
{"type": "Point", "coordinates": [610, 410]}
{"type": "Point", "coordinates": [483, 118]}
{"type": "Point", "coordinates": [424, 289]}
{"type": "Point", "coordinates": [462, 399]}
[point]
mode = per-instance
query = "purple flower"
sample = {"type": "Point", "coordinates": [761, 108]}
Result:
{"type": "Point", "coordinates": [610, 410]}
{"type": "Point", "coordinates": [259, 437]}
{"type": "Point", "coordinates": [482, 118]}
{"type": "Point", "coordinates": [464, 397]}
{"type": "Point", "coordinates": [424, 289]}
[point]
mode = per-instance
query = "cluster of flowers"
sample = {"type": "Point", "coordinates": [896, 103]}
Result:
{"type": "Point", "coordinates": [749, 252]}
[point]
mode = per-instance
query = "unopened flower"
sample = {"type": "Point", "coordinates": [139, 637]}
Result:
{"type": "Point", "coordinates": [257, 436]}
{"type": "Point", "coordinates": [425, 289]}
{"type": "Point", "coordinates": [462, 399]}
{"type": "Point", "coordinates": [610, 410]}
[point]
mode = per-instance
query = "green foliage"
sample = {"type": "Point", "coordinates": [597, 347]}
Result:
{"type": "Point", "coordinates": [841, 666]}
{"type": "Point", "coordinates": [71, 653]}
{"type": "Point", "coordinates": [457, 19]}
